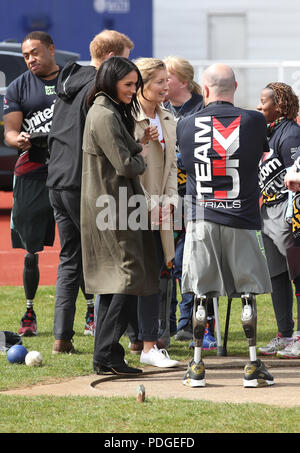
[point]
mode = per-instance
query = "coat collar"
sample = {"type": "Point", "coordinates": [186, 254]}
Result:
{"type": "Point", "coordinates": [163, 114]}
{"type": "Point", "coordinates": [102, 99]}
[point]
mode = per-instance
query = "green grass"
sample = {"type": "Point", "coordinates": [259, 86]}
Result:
{"type": "Point", "coordinates": [47, 414]}
{"type": "Point", "coordinates": [116, 415]}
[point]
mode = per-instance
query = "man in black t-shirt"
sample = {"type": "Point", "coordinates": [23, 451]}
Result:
{"type": "Point", "coordinates": [221, 147]}
{"type": "Point", "coordinates": [27, 116]}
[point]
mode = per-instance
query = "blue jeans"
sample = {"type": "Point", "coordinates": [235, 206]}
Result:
{"type": "Point", "coordinates": [186, 305]}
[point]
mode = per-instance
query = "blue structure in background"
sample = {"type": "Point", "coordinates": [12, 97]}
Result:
{"type": "Point", "coordinates": [73, 23]}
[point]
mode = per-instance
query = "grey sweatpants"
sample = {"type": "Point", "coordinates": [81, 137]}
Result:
{"type": "Point", "coordinates": [219, 260]}
{"type": "Point", "coordinates": [277, 237]}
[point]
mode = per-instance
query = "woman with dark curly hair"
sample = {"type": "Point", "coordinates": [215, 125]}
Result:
{"type": "Point", "coordinates": [280, 105]}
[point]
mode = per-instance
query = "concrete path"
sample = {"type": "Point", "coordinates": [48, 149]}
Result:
{"type": "Point", "coordinates": [224, 383]}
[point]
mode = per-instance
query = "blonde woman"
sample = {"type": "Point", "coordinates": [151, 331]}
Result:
{"type": "Point", "coordinates": [184, 93]}
{"type": "Point", "coordinates": [159, 180]}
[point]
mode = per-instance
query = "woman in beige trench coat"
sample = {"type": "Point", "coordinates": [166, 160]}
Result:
{"type": "Point", "coordinates": [159, 182]}
{"type": "Point", "coordinates": [115, 256]}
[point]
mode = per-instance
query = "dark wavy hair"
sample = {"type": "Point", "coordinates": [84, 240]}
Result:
{"type": "Point", "coordinates": [110, 72]}
{"type": "Point", "coordinates": [285, 99]}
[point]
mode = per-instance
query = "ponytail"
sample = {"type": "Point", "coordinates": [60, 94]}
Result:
{"type": "Point", "coordinates": [194, 87]}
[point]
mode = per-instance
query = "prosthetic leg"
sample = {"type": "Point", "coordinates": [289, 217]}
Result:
{"type": "Point", "coordinates": [195, 375]}
{"type": "Point", "coordinates": [89, 328]}
{"type": "Point", "coordinates": [165, 286]}
{"type": "Point", "coordinates": [209, 342]}
{"type": "Point", "coordinates": [255, 372]}
{"type": "Point", "coordinates": [31, 277]}
{"type": "Point", "coordinates": [218, 329]}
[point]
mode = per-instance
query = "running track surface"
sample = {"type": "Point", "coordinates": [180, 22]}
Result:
{"type": "Point", "coordinates": [11, 260]}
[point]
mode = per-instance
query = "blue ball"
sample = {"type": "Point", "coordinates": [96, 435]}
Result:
{"type": "Point", "coordinates": [16, 354]}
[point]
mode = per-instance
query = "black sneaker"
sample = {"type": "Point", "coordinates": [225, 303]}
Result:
{"type": "Point", "coordinates": [256, 375]}
{"type": "Point", "coordinates": [125, 369]}
{"type": "Point", "coordinates": [195, 375]}
{"type": "Point", "coordinates": [120, 369]}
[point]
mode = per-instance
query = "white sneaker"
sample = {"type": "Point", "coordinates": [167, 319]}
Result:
{"type": "Point", "coordinates": [292, 351]}
{"type": "Point", "coordinates": [158, 357]}
{"type": "Point", "coordinates": [275, 345]}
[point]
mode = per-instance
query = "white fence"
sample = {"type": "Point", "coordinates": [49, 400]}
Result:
{"type": "Point", "coordinates": [252, 76]}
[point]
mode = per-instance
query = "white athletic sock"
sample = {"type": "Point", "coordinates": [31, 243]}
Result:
{"type": "Point", "coordinates": [197, 354]}
{"type": "Point", "coordinates": [252, 352]}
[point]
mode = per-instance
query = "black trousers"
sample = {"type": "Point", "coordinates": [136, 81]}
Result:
{"type": "Point", "coordinates": [114, 312]}
{"type": "Point", "coordinates": [66, 206]}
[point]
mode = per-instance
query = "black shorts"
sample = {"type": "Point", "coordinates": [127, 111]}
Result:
{"type": "Point", "coordinates": [32, 219]}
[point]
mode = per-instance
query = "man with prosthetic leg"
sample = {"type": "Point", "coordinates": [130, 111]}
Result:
{"type": "Point", "coordinates": [195, 375]}
{"type": "Point", "coordinates": [255, 372]}
{"type": "Point", "coordinates": [31, 277]}
{"type": "Point", "coordinates": [27, 117]}
{"type": "Point", "coordinates": [223, 255]}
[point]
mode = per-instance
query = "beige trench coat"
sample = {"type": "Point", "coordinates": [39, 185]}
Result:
{"type": "Point", "coordinates": [115, 261]}
{"type": "Point", "coordinates": [160, 177]}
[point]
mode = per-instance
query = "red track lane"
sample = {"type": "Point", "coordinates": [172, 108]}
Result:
{"type": "Point", "coordinates": [11, 260]}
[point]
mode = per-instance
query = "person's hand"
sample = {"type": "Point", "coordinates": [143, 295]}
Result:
{"type": "Point", "coordinates": [23, 141]}
{"type": "Point", "coordinates": [292, 181]}
{"type": "Point", "coordinates": [155, 215]}
{"type": "Point", "coordinates": [146, 137]}
{"type": "Point", "coordinates": [166, 213]}
{"type": "Point", "coordinates": [153, 131]}
{"type": "Point", "coordinates": [150, 133]}
{"type": "Point", "coordinates": [160, 214]}
{"type": "Point", "coordinates": [167, 210]}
